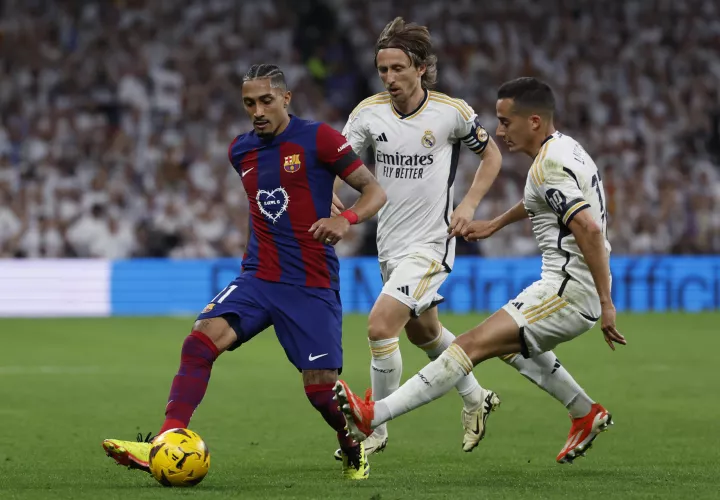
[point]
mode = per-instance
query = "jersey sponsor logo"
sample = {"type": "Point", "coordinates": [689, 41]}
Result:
{"type": "Point", "coordinates": [343, 146]}
{"type": "Point", "coordinates": [313, 358]}
{"type": "Point", "coordinates": [556, 200]}
{"type": "Point", "coordinates": [292, 163]}
{"type": "Point", "coordinates": [381, 138]}
{"type": "Point", "coordinates": [245, 172]}
{"type": "Point", "coordinates": [428, 140]}
{"type": "Point", "coordinates": [397, 159]}
{"type": "Point", "coordinates": [272, 204]}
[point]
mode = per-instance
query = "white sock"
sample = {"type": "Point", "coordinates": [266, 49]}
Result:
{"type": "Point", "coordinates": [547, 373]}
{"type": "Point", "coordinates": [468, 387]}
{"type": "Point", "coordinates": [385, 370]}
{"type": "Point", "coordinates": [433, 381]}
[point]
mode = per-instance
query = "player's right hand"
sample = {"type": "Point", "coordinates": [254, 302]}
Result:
{"type": "Point", "coordinates": [607, 325]}
{"type": "Point", "coordinates": [479, 230]}
{"type": "Point", "coordinates": [330, 230]}
{"type": "Point", "coordinates": [337, 206]}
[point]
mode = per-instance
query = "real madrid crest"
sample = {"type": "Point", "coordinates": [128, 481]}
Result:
{"type": "Point", "coordinates": [428, 140]}
{"type": "Point", "coordinates": [481, 134]}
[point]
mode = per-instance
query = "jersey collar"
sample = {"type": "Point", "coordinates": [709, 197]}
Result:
{"type": "Point", "coordinates": [551, 136]}
{"type": "Point", "coordinates": [416, 111]}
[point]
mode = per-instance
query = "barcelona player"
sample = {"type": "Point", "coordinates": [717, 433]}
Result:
{"type": "Point", "coordinates": [290, 273]}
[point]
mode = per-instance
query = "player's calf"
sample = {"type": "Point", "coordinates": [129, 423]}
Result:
{"type": "Point", "coordinates": [321, 396]}
{"type": "Point", "coordinates": [189, 385]}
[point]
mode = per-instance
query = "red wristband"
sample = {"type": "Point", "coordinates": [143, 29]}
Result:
{"type": "Point", "coordinates": [351, 216]}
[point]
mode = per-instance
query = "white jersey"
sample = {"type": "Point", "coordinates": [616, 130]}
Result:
{"type": "Point", "coordinates": [416, 156]}
{"type": "Point", "coordinates": [564, 180]}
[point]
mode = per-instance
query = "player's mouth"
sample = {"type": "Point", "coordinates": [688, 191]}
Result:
{"type": "Point", "coordinates": [394, 91]}
{"type": "Point", "coordinates": [261, 124]}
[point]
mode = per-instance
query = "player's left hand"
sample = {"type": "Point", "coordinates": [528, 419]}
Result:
{"type": "Point", "coordinates": [330, 230]}
{"type": "Point", "coordinates": [337, 207]}
{"type": "Point", "coordinates": [461, 217]}
{"type": "Point", "coordinates": [607, 325]}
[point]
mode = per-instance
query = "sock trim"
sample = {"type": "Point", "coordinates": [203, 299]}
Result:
{"type": "Point", "coordinates": [205, 340]}
{"type": "Point", "coordinates": [458, 354]}
{"type": "Point", "coordinates": [313, 388]}
{"type": "Point", "coordinates": [429, 346]}
{"type": "Point", "coordinates": [382, 349]}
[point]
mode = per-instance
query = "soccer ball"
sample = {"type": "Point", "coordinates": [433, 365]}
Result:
{"type": "Point", "coordinates": [179, 457]}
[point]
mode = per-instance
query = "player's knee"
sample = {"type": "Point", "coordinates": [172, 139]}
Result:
{"type": "Point", "coordinates": [218, 330]}
{"type": "Point", "coordinates": [319, 377]}
{"type": "Point", "coordinates": [379, 330]}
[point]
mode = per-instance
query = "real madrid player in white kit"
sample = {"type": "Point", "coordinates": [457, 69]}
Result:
{"type": "Point", "coordinates": [565, 201]}
{"type": "Point", "coordinates": [416, 135]}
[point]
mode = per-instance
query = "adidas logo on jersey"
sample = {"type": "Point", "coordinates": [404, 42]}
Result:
{"type": "Point", "coordinates": [404, 289]}
{"type": "Point", "coordinates": [556, 366]}
{"type": "Point", "coordinates": [381, 138]}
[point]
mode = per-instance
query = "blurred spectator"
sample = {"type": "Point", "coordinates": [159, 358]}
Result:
{"type": "Point", "coordinates": [115, 117]}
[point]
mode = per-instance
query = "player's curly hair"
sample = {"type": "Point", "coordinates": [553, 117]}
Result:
{"type": "Point", "coordinates": [271, 71]}
{"type": "Point", "coordinates": [415, 41]}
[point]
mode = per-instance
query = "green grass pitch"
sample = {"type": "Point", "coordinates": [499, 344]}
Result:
{"type": "Point", "coordinates": [67, 384]}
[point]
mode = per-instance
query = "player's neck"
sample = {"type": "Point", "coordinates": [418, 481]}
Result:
{"type": "Point", "coordinates": [540, 141]}
{"type": "Point", "coordinates": [411, 103]}
{"type": "Point", "coordinates": [283, 125]}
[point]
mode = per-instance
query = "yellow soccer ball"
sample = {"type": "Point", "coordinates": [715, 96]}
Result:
{"type": "Point", "coordinates": [179, 457]}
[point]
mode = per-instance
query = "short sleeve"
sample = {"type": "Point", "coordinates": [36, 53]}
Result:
{"type": "Point", "coordinates": [336, 152]}
{"type": "Point", "coordinates": [356, 134]}
{"type": "Point", "coordinates": [468, 128]}
{"type": "Point", "coordinates": [560, 188]}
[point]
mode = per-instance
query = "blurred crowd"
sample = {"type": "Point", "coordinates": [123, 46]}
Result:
{"type": "Point", "coordinates": [115, 116]}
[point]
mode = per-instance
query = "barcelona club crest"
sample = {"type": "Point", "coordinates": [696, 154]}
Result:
{"type": "Point", "coordinates": [428, 140]}
{"type": "Point", "coordinates": [292, 163]}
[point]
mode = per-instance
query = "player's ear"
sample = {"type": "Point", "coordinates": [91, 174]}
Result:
{"type": "Point", "coordinates": [535, 121]}
{"type": "Point", "coordinates": [287, 98]}
{"type": "Point", "coordinates": [422, 69]}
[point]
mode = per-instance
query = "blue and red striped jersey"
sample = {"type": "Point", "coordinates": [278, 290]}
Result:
{"type": "Point", "coordinates": [289, 183]}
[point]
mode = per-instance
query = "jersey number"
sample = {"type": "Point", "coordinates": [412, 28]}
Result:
{"type": "Point", "coordinates": [598, 190]}
{"type": "Point", "coordinates": [223, 296]}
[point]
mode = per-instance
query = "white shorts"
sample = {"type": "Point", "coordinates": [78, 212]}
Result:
{"type": "Point", "coordinates": [414, 280]}
{"type": "Point", "coordinates": [546, 319]}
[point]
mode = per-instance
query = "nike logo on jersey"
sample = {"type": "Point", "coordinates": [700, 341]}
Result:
{"type": "Point", "coordinates": [313, 358]}
{"type": "Point", "coordinates": [381, 138]}
{"type": "Point", "coordinates": [245, 172]}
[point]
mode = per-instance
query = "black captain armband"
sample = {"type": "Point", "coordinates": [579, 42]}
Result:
{"type": "Point", "coordinates": [477, 139]}
{"type": "Point", "coordinates": [566, 210]}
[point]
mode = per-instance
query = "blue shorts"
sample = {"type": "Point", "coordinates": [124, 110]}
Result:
{"type": "Point", "coordinates": [308, 321]}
